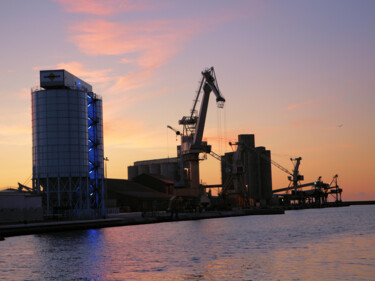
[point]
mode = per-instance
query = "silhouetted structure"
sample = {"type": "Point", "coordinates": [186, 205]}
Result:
{"type": "Point", "coordinates": [167, 168]}
{"type": "Point", "coordinates": [246, 173]}
{"type": "Point", "coordinates": [68, 146]}
{"type": "Point", "coordinates": [16, 207]}
{"type": "Point", "coordinates": [156, 182]}
{"type": "Point", "coordinates": [133, 196]}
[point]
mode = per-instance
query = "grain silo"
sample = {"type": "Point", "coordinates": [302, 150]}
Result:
{"type": "Point", "coordinates": [68, 145]}
{"type": "Point", "coordinates": [247, 171]}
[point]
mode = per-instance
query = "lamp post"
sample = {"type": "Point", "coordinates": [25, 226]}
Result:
{"type": "Point", "coordinates": [105, 166]}
{"type": "Point", "coordinates": [105, 180]}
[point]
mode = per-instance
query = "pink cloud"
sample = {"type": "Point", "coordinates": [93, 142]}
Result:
{"type": "Point", "coordinates": [142, 45]}
{"type": "Point", "coordinates": [125, 60]}
{"type": "Point", "coordinates": [124, 100]}
{"type": "Point", "coordinates": [307, 123]}
{"type": "Point", "coordinates": [130, 82]}
{"type": "Point", "coordinates": [102, 8]}
{"type": "Point", "coordinates": [150, 44]}
{"type": "Point", "coordinates": [297, 105]}
{"type": "Point", "coordinates": [100, 37]}
{"type": "Point", "coordinates": [78, 69]}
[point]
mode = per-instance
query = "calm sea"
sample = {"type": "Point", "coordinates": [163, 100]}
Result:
{"type": "Point", "coordinates": [316, 244]}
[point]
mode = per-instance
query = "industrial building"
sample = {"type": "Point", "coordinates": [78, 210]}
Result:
{"type": "Point", "coordinates": [156, 182]}
{"type": "Point", "coordinates": [307, 195]}
{"type": "Point", "coordinates": [67, 126]}
{"type": "Point", "coordinates": [16, 207]}
{"type": "Point", "coordinates": [133, 196]}
{"type": "Point", "coordinates": [68, 158]}
{"type": "Point", "coordinates": [166, 167]}
{"type": "Point", "coordinates": [246, 173]}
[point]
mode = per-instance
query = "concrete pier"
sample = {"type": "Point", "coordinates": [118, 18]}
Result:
{"type": "Point", "coordinates": [123, 220]}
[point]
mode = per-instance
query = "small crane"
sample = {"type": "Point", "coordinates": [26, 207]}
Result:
{"type": "Point", "coordinates": [295, 178]}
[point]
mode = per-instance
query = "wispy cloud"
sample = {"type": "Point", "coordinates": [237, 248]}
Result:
{"type": "Point", "coordinates": [98, 76]}
{"type": "Point", "coordinates": [146, 39]}
{"type": "Point", "coordinates": [147, 45]}
{"type": "Point", "coordinates": [297, 105]}
{"type": "Point", "coordinates": [123, 101]}
{"type": "Point", "coordinates": [103, 8]}
{"type": "Point", "coordinates": [142, 46]}
{"type": "Point", "coordinates": [125, 60]}
{"type": "Point", "coordinates": [137, 48]}
{"type": "Point", "coordinates": [307, 123]}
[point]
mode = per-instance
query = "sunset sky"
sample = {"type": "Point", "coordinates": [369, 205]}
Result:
{"type": "Point", "coordinates": [300, 75]}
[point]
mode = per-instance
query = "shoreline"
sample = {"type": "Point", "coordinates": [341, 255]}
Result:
{"type": "Point", "coordinates": [124, 220]}
{"type": "Point", "coordinates": [137, 218]}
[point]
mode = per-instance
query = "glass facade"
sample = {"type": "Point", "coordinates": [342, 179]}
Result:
{"type": "Point", "coordinates": [60, 137]}
{"type": "Point", "coordinates": [68, 149]}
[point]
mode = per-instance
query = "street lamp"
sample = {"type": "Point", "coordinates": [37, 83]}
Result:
{"type": "Point", "coordinates": [105, 166]}
{"type": "Point", "coordinates": [105, 182]}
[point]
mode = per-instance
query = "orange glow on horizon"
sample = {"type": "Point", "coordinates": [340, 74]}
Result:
{"type": "Point", "coordinates": [301, 84]}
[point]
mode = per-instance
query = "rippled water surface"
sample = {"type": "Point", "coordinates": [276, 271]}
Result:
{"type": "Point", "coordinates": [316, 244]}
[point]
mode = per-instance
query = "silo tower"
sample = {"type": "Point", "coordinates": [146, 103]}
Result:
{"type": "Point", "coordinates": [68, 166]}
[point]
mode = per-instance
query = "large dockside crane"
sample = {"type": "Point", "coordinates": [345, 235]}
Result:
{"type": "Point", "coordinates": [193, 128]}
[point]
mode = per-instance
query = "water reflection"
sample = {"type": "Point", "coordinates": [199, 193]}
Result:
{"type": "Point", "coordinates": [329, 244]}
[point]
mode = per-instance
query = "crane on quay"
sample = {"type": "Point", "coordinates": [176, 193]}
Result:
{"type": "Point", "coordinates": [317, 195]}
{"type": "Point", "coordinates": [237, 170]}
{"type": "Point", "coordinates": [192, 133]}
{"type": "Point", "coordinates": [235, 182]}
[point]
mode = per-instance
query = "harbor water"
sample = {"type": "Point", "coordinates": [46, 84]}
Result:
{"type": "Point", "coordinates": [313, 244]}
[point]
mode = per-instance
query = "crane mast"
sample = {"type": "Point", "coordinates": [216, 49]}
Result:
{"type": "Point", "coordinates": [295, 178]}
{"type": "Point", "coordinates": [193, 129]}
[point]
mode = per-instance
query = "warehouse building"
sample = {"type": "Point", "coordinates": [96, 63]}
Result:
{"type": "Point", "coordinates": [20, 207]}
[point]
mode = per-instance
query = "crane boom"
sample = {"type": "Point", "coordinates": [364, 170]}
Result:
{"type": "Point", "coordinates": [193, 128]}
{"type": "Point", "coordinates": [215, 155]}
{"type": "Point", "coordinates": [266, 158]}
{"type": "Point", "coordinates": [278, 165]}
{"type": "Point", "coordinates": [174, 130]}
{"type": "Point", "coordinates": [212, 82]}
{"type": "Point", "coordinates": [196, 99]}
{"type": "Point", "coordinates": [209, 85]}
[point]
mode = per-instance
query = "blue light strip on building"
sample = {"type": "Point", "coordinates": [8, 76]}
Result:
{"type": "Point", "coordinates": [93, 150]}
